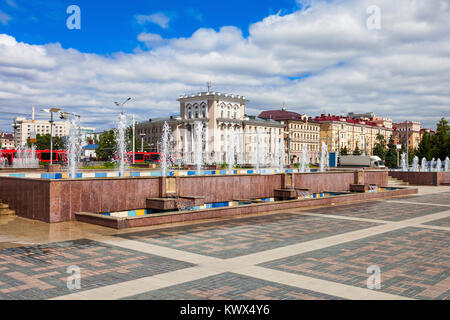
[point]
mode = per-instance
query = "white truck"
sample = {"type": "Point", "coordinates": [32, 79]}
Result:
{"type": "Point", "coordinates": [361, 161]}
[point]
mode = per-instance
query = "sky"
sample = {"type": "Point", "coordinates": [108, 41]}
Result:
{"type": "Point", "coordinates": [315, 56]}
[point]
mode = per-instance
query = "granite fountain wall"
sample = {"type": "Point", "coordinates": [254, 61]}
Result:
{"type": "Point", "coordinates": [59, 200]}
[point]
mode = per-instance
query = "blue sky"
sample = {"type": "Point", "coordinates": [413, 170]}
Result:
{"type": "Point", "coordinates": [111, 26]}
{"type": "Point", "coordinates": [314, 56]}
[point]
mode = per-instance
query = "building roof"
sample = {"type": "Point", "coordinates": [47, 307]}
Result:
{"type": "Point", "coordinates": [280, 115]}
{"type": "Point", "coordinates": [330, 118]}
{"type": "Point", "coordinates": [213, 94]}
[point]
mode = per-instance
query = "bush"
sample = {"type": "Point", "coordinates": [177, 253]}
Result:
{"type": "Point", "coordinates": [296, 165]}
{"type": "Point", "coordinates": [110, 165]}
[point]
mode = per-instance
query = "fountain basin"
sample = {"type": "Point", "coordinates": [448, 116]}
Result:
{"type": "Point", "coordinates": [233, 209]}
{"type": "Point", "coordinates": [57, 200]}
{"type": "Point", "coordinates": [422, 178]}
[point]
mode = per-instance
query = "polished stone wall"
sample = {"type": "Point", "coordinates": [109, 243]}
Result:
{"type": "Point", "coordinates": [59, 200]}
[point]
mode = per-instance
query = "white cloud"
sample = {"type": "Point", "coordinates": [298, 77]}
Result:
{"type": "Point", "coordinates": [322, 59]}
{"type": "Point", "coordinates": [159, 19]}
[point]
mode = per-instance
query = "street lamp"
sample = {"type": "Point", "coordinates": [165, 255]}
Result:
{"type": "Point", "coordinates": [51, 111]}
{"type": "Point", "coordinates": [142, 141]}
{"type": "Point", "coordinates": [121, 104]}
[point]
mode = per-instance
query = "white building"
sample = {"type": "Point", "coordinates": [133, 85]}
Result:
{"type": "Point", "coordinates": [227, 134]}
{"type": "Point", "coordinates": [24, 127]}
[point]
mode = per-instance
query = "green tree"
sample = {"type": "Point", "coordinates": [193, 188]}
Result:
{"type": "Point", "coordinates": [43, 142]}
{"type": "Point", "coordinates": [357, 151]}
{"type": "Point", "coordinates": [137, 140]}
{"type": "Point", "coordinates": [107, 145]}
{"type": "Point", "coordinates": [344, 151]}
{"type": "Point", "coordinates": [441, 140]}
{"type": "Point", "coordinates": [380, 148]}
{"type": "Point", "coordinates": [425, 147]}
{"type": "Point", "coordinates": [391, 155]}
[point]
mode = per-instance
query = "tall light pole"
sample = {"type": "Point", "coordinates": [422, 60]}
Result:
{"type": "Point", "coordinates": [51, 111]}
{"type": "Point", "coordinates": [407, 144]}
{"type": "Point", "coordinates": [142, 141]}
{"type": "Point", "coordinates": [121, 104]}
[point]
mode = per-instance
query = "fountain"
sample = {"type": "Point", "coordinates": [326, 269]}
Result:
{"type": "Point", "coordinates": [231, 148]}
{"type": "Point", "coordinates": [304, 165]}
{"type": "Point", "coordinates": [403, 162]}
{"type": "Point", "coordinates": [446, 163]}
{"type": "Point", "coordinates": [432, 165]}
{"type": "Point", "coordinates": [198, 148]}
{"type": "Point", "coordinates": [25, 158]}
{"type": "Point", "coordinates": [281, 157]}
{"type": "Point", "coordinates": [324, 157]}
{"type": "Point", "coordinates": [3, 162]}
{"type": "Point", "coordinates": [424, 167]}
{"type": "Point", "coordinates": [415, 165]}
{"type": "Point", "coordinates": [438, 165]}
{"type": "Point", "coordinates": [73, 147]}
{"type": "Point", "coordinates": [121, 144]}
{"type": "Point", "coordinates": [258, 153]}
{"type": "Point", "coordinates": [165, 149]}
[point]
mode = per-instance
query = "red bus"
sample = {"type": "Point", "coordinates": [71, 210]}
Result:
{"type": "Point", "coordinates": [140, 157]}
{"type": "Point", "coordinates": [59, 156]}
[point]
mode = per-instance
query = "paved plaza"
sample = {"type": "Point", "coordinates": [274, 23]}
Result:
{"type": "Point", "coordinates": [315, 253]}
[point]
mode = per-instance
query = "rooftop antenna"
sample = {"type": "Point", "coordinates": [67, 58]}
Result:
{"type": "Point", "coordinates": [284, 106]}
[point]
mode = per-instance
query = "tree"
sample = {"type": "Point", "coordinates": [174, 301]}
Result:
{"type": "Point", "coordinates": [441, 140]}
{"type": "Point", "coordinates": [380, 148]}
{"type": "Point", "coordinates": [43, 142]}
{"type": "Point", "coordinates": [425, 147]}
{"type": "Point", "coordinates": [357, 152]}
{"type": "Point", "coordinates": [344, 151]}
{"type": "Point", "coordinates": [107, 145]}
{"type": "Point", "coordinates": [391, 155]}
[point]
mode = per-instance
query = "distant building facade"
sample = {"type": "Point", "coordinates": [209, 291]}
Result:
{"type": "Point", "coordinates": [228, 131]}
{"type": "Point", "coordinates": [348, 132]}
{"type": "Point", "coordinates": [300, 130]}
{"type": "Point", "coordinates": [6, 140]}
{"type": "Point", "coordinates": [24, 127]}
{"type": "Point", "coordinates": [408, 131]}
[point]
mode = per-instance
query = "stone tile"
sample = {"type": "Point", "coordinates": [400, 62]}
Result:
{"type": "Point", "coordinates": [237, 237]}
{"type": "Point", "coordinates": [414, 262]}
{"type": "Point", "coordinates": [40, 271]}
{"type": "Point", "coordinates": [435, 198]}
{"type": "Point", "coordinates": [440, 223]}
{"type": "Point", "coordinates": [381, 210]}
{"type": "Point", "coordinates": [231, 286]}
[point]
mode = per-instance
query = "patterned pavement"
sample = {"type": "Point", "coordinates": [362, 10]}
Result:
{"type": "Point", "coordinates": [441, 198]}
{"type": "Point", "coordinates": [414, 262]}
{"type": "Point", "coordinates": [381, 210]}
{"type": "Point", "coordinates": [283, 256]}
{"type": "Point", "coordinates": [439, 223]}
{"type": "Point", "coordinates": [231, 286]}
{"type": "Point", "coordinates": [40, 272]}
{"type": "Point", "coordinates": [232, 238]}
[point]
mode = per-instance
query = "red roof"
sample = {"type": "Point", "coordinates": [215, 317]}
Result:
{"type": "Point", "coordinates": [324, 118]}
{"type": "Point", "coordinates": [280, 115]}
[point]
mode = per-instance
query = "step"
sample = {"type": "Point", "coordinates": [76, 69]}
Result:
{"type": "Point", "coordinates": [3, 206]}
{"type": "Point", "coordinates": [7, 212]}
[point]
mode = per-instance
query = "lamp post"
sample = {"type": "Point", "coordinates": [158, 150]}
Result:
{"type": "Point", "coordinates": [51, 111]}
{"type": "Point", "coordinates": [142, 141]}
{"type": "Point", "coordinates": [121, 104]}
